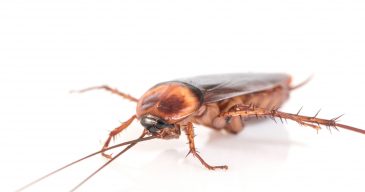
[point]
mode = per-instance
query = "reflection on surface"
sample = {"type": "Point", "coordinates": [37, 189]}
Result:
{"type": "Point", "coordinates": [253, 156]}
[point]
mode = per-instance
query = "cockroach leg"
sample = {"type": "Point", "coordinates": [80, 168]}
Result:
{"type": "Point", "coordinates": [314, 122]}
{"type": "Point", "coordinates": [112, 90]}
{"type": "Point", "coordinates": [115, 132]}
{"type": "Point", "coordinates": [190, 134]}
{"type": "Point", "coordinates": [235, 125]}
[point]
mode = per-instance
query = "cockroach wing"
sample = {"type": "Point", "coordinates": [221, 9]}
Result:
{"type": "Point", "coordinates": [219, 87]}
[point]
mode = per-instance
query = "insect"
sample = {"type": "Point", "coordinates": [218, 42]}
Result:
{"type": "Point", "coordinates": [221, 102]}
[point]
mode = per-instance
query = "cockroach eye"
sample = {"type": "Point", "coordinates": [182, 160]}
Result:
{"type": "Point", "coordinates": [154, 124]}
{"type": "Point", "coordinates": [152, 129]}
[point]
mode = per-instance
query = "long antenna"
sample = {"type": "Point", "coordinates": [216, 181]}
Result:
{"type": "Point", "coordinates": [103, 166]}
{"type": "Point", "coordinates": [83, 158]}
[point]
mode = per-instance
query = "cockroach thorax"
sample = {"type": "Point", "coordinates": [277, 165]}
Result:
{"type": "Point", "coordinates": [169, 101]}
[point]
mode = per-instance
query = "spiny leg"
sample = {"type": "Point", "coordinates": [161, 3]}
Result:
{"type": "Point", "coordinates": [115, 132]}
{"type": "Point", "coordinates": [112, 90]}
{"type": "Point", "coordinates": [190, 134]}
{"type": "Point", "coordinates": [314, 122]}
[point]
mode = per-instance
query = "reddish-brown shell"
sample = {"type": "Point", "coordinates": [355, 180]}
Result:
{"type": "Point", "coordinates": [171, 101]}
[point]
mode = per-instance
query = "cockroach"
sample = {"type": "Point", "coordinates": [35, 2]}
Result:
{"type": "Point", "coordinates": [221, 102]}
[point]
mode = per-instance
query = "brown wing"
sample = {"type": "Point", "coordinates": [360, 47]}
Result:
{"type": "Point", "coordinates": [219, 87]}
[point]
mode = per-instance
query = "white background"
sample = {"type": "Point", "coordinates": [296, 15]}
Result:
{"type": "Point", "coordinates": [48, 48]}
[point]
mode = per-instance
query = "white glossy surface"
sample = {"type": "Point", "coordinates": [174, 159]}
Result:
{"type": "Point", "coordinates": [49, 48]}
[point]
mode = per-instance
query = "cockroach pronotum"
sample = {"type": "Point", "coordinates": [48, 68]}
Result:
{"type": "Point", "coordinates": [220, 102]}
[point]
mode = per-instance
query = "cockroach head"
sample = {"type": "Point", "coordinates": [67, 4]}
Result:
{"type": "Point", "coordinates": [154, 124]}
